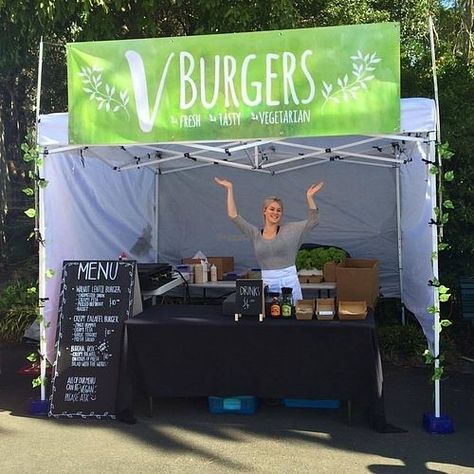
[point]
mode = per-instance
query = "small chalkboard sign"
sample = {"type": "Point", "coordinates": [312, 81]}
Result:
{"type": "Point", "coordinates": [96, 298]}
{"type": "Point", "coordinates": [249, 298]}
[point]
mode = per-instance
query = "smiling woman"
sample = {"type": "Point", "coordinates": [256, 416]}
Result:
{"type": "Point", "coordinates": [276, 244]}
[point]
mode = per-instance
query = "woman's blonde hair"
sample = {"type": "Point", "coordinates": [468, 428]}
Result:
{"type": "Point", "coordinates": [268, 200]}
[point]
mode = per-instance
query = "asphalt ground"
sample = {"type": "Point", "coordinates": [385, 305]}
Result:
{"type": "Point", "coordinates": [183, 437]}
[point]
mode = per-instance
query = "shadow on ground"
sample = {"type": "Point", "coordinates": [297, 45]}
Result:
{"type": "Point", "coordinates": [182, 436]}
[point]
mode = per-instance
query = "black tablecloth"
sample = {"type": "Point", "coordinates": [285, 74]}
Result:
{"type": "Point", "coordinates": [180, 350]}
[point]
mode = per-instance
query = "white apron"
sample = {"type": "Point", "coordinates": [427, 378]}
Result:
{"type": "Point", "coordinates": [283, 277]}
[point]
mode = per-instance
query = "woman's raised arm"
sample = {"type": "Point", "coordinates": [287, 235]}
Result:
{"type": "Point", "coordinates": [231, 206]}
{"type": "Point", "coordinates": [310, 193]}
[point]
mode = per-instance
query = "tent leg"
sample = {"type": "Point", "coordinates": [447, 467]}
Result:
{"type": "Point", "coordinates": [150, 406]}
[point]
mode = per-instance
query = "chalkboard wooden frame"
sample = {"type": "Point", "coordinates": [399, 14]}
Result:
{"type": "Point", "coordinates": [249, 298]}
{"type": "Point", "coordinates": [95, 299]}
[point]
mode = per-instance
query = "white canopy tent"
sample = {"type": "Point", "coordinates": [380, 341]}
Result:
{"type": "Point", "coordinates": [157, 202]}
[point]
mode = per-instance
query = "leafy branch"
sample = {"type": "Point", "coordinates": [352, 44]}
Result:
{"type": "Point", "coordinates": [442, 217]}
{"type": "Point", "coordinates": [106, 98]}
{"type": "Point", "coordinates": [362, 70]}
{"type": "Point", "coordinates": [32, 156]}
{"type": "Point", "coordinates": [430, 360]}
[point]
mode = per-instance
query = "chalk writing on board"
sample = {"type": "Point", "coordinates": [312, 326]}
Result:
{"type": "Point", "coordinates": [96, 298]}
{"type": "Point", "coordinates": [249, 297]}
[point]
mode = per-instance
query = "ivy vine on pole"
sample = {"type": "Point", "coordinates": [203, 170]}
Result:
{"type": "Point", "coordinates": [441, 214]}
{"type": "Point", "coordinates": [31, 155]}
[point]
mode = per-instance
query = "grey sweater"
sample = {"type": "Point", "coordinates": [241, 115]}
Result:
{"type": "Point", "coordinates": [279, 252]}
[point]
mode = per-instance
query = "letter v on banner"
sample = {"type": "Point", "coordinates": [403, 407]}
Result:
{"type": "Point", "coordinates": [139, 83]}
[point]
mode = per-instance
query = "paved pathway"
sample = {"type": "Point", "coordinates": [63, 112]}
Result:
{"type": "Point", "coordinates": [182, 437]}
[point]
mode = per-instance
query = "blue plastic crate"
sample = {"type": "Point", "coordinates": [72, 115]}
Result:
{"type": "Point", "coordinates": [244, 405]}
{"type": "Point", "coordinates": [309, 403]}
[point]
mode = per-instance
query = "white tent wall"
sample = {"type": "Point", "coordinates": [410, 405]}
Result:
{"type": "Point", "coordinates": [417, 205]}
{"type": "Point", "coordinates": [92, 211]}
{"type": "Point", "coordinates": [350, 217]}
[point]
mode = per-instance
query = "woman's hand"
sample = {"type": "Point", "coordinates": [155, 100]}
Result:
{"type": "Point", "coordinates": [225, 183]}
{"type": "Point", "coordinates": [314, 189]}
{"type": "Point", "coordinates": [231, 206]}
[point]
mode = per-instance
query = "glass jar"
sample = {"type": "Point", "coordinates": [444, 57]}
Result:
{"type": "Point", "coordinates": [275, 305]}
{"type": "Point", "coordinates": [287, 302]}
{"type": "Point", "coordinates": [268, 300]}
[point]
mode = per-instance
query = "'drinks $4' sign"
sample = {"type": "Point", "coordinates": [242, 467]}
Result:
{"type": "Point", "coordinates": [308, 82]}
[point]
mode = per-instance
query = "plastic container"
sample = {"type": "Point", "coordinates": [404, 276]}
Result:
{"type": "Point", "coordinates": [123, 256]}
{"type": "Point", "coordinates": [205, 272]}
{"type": "Point", "coordinates": [213, 273]}
{"type": "Point", "coordinates": [243, 405]}
{"type": "Point", "coordinates": [255, 274]}
{"type": "Point", "coordinates": [187, 272]}
{"type": "Point", "coordinates": [200, 273]}
{"type": "Point", "coordinates": [309, 403]}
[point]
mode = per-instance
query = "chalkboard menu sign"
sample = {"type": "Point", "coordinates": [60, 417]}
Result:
{"type": "Point", "coordinates": [96, 298]}
{"type": "Point", "coordinates": [249, 298]}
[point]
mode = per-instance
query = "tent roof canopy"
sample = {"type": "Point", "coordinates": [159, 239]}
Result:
{"type": "Point", "coordinates": [266, 155]}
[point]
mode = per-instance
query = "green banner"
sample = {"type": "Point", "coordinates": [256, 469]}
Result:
{"type": "Point", "coordinates": [342, 80]}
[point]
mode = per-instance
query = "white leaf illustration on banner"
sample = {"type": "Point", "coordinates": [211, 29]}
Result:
{"type": "Point", "coordinates": [362, 68]}
{"type": "Point", "coordinates": [106, 97]}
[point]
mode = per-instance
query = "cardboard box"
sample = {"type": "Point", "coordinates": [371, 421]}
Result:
{"type": "Point", "coordinates": [223, 264]}
{"type": "Point", "coordinates": [352, 310]}
{"type": "Point", "coordinates": [325, 308]}
{"type": "Point", "coordinates": [329, 271]}
{"type": "Point", "coordinates": [310, 278]}
{"type": "Point", "coordinates": [358, 280]}
{"type": "Point", "coordinates": [304, 309]}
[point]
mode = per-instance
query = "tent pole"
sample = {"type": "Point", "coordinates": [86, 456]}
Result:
{"type": "Point", "coordinates": [39, 232]}
{"type": "Point", "coordinates": [157, 216]}
{"type": "Point", "coordinates": [437, 199]}
{"type": "Point", "coordinates": [404, 138]}
{"type": "Point", "coordinates": [42, 287]}
{"type": "Point", "coordinates": [438, 121]}
{"type": "Point", "coordinates": [399, 242]}
{"type": "Point", "coordinates": [434, 262]}
{"type": "Point", "coordinates": [435, 78]}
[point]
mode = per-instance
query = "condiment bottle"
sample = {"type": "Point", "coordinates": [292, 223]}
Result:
{"type": "Point", "coordinates": [275, 308]}
{"type": "Point", "coordinates": [287, 302]}
{"type": "Point", "coordinates": [213, 273]}
{"type": "Point", "coordinates": [123, 256]}
{"type": "Point", "coordinates": [268, 300]}
{"type": "Point", "coordinates": [198, 273]}
{"type": "Point", "coordinates": [205, 275]}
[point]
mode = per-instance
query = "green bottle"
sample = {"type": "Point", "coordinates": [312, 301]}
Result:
{"type": "Point", "coordinates": [287, 302]}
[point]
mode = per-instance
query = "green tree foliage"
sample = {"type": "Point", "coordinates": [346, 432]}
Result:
{"type": "Point", "coordinates": [24, 22]}
{"type": "Point", "coordinates": [456, 89]}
